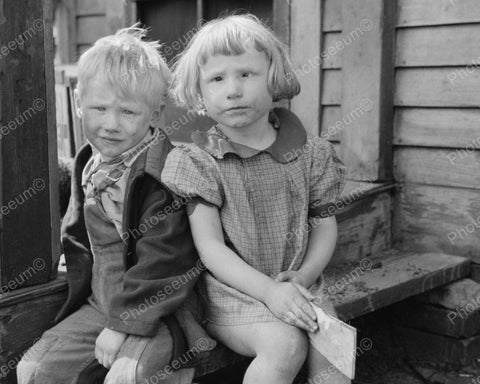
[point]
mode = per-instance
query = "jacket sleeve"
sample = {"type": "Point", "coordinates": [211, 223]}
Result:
{"type": "Point", "coordinates": [165, 264]}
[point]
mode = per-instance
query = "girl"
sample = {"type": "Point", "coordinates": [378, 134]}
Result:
{"type": "Point", "coordinates": [254, 179]}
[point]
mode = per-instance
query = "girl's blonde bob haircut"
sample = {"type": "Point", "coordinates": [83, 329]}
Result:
{"type": "Point", "coordinates": [134, 68]}
{"type": "Point", "coordinates": [232, 35]}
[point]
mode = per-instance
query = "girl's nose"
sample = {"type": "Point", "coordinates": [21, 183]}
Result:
{"type": "Point", "coordinates": [234, 90]}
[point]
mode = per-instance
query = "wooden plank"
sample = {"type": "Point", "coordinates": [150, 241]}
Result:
{"type": "Point", "coordinates": [28, 131]}
{"type": "Point", "coordinates": [331, 87]}
{"type": "Point", "coordinates": [433, 166]}
{"type": "Point", "coordinates": [91, 7]}
{"type": "Point", "coordinates": [438, 46]}
{"type": "Point", "coordinates": [436, 127]}
{"type": "Point", "coordinates": [332, 61]}
{"type": "Point", "coordinates": [91, 28]}
{"type": "Point", "coordinates": [23, 322]}
{"type": "Point", "coordinates": [65, 20]}
{"type": "Point", "coordinates": [115, 13]}
{"type": "Point", "coordinates": [437, 219]}
{"type": "Point", "coordinates": [305, 45]}
{"type": "Point", "coordinates": [364, 227]}
{"type": "Point", "coordinates": [437, 12]}
{"type": "Point", "coordinates": [332, 20]}
{"type": "Point", "coordinates": [359, 289]}
{"type": "Point", "coordinates": [437, 320]}
{"type": "Point", "coordinates": [437, 348]}
{"type": "Point", "coordinates": [367, 73]}
{"type": "Point", "coordinates": [437, 87]}
{"type": "Point", "coordinates": [281, 20]}
{"type": "Point", "coordinates": [331, 115]}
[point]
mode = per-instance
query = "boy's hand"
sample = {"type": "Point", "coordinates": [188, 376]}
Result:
{"type": "Point", "coordinates": [293, 277]}
{"type": "Point", "coordinates": [107, 346]}
{"type": "Point", "coordinates": [290, 302]}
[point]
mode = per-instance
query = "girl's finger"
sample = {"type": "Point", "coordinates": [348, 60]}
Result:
{"type": "Point", "coordinates": [291, 319]}
{"type": "Point", "coordinates": [310, 325]}
{"type": "Point", "coordinates": [306, 308]}
{"type": "Point", "coordinates": [305, 292]}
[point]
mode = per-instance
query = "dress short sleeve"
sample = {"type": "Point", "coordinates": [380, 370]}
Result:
{"type": "Point", "coordinates": [192, 173]}
{"type": "Point", "coordinates": [327, 179]}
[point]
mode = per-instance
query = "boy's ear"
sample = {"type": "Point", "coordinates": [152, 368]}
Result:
{"type": "Point", "coordinates": [157, 117]}
{"type": "Point", "coordinates": [77, 103]}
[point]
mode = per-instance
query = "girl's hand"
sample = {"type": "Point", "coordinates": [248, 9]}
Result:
{"type": "Point", "coordinates": [296, 277]}
{"type": "Point", "coordinates": [290, 303]}
{"type": "Point", "coordinates": [107, 346]}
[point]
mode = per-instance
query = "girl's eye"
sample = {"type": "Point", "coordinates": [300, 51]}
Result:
{"type": "Point", "coordinates": [246, 74]}
{"type": "Point", "coordinates": [127, 112]}
{"type": "Point", "coordinates": [218, 78]}
{"type": "Point", "coordinates": [100, 109]}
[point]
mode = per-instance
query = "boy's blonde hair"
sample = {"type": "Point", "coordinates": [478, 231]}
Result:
{"type": "Point", "coordinates": [229, 36]}
{"type": "Point", "coordinates": [133, 67]}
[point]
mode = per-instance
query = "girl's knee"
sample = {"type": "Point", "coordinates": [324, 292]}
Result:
{"type": "Point", "coordinates": [291, 345]}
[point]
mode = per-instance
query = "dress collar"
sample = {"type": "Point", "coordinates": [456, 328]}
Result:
{"type": "Point", "coordinates": [291, 137]}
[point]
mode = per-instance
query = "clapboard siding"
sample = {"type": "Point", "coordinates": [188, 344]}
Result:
{"type": "Point", "coordinates": [332, 87]}
{"type": "Point", "coordinates": [90, 28]}
{"type": "Point", "coordinates": [437, 12]}
{"type": "Point", "coordinates": [437, 87]}
{"type": "Point", "coordinates": [333, 56]}
{"type": "Point", "coordinates": [436, 127]}
{"type": "Point", "coordinates": [331, 116]}
{"type": "Point", "coordinates": [333, 16]}
{"type": "Point", "coordinates": [90, 7]}
{"type": "Point", "coordinates": [434, 218]}
{"type": "Point", "coordinates": [453, 45]}
{"type": "Point", "coordinates": [447, 167]}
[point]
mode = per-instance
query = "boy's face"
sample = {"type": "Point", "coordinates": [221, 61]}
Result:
{"type": "Point", "coordinates": [111, 123]}
{"type": "Point", "coordinates": [235, 89]}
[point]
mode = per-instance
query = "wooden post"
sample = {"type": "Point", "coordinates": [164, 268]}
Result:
{"type": "Point", "coordinates": [29, 217]}
{"type": "Point", "coordinates": [368, 85]}
{"type": "Point", "coordinates": [305, 48]}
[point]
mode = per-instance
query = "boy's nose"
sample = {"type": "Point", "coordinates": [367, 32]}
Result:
{"type": "Point", "coordinates": [110, 122]}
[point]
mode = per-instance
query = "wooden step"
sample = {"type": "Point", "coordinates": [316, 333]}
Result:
{"type": "Point", "coordinates": [365, 286]}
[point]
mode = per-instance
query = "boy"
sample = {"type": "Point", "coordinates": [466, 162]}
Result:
{"type": "Point", "coordinates": [130, 257]}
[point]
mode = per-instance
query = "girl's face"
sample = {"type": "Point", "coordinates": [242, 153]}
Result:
{"type": "Point", "coordinates": [235, 90]}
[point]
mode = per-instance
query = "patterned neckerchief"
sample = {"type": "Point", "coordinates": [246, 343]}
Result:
{"type": "Point", "coordinates": [104, 182]}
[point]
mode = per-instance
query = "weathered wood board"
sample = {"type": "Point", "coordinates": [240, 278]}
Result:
{"type": "Point", "coordinates": [437, 12]}
{"type": "Point", "coordinates": [437, 87]}
{"type": "Point", "coordinates": [332, 21]}
{"type": "Point", "coordinates": [332, 87]}
{"type": "Point", "coordinates": [455, 45]}
{"type": "Point", "coordinates": [436, 127]}
{"type": "Point", "coordinates": [437, 219]}
{"type": "Point", "coordinates": [432, 166]}
{"type": "Point", "coordinates": [331, 48]}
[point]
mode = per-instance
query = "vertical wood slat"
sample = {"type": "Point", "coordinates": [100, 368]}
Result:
{"type": "Point", "coordinates": [29, 234]}
{"type": "Point", "coordinates": [306, 46]}
{"type": "Point", "coordinates": [368, 74]}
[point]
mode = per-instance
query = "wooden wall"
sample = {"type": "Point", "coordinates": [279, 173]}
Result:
{"type": "Point", "coordinates": [437, 126]}
{"type": "Point", "coordinates": [80, 22]}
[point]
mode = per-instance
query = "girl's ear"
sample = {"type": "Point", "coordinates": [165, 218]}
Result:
{"type": "Point", "coordinates": [78, 108]}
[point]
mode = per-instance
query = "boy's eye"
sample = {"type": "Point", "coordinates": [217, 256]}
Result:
{"type": "Point", "coordinates": [100, 109]}
{"type": "Point", "coordinates": [217, 78]}
{"type": "Point", "coordinates": [246, 74]}
{"type": "Point", "coordinates": [127, 112]}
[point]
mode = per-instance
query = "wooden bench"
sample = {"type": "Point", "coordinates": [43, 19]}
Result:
{"type": "Point", "coordinates": [359, 288]}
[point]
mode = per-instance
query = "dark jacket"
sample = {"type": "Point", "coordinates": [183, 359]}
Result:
{"type": "Point", "coordinates": [159, 253]}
